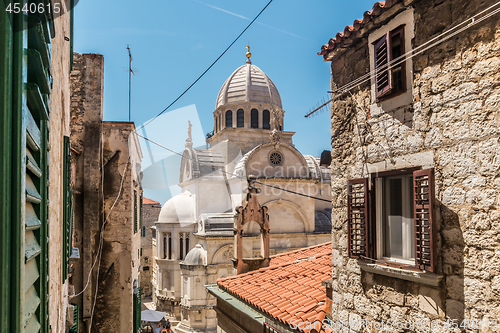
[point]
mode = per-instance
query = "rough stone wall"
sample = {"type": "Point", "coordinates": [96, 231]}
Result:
{"type": "Point", "coordinates": [85, 139]}
{"type": "Point", "coordinates": [119, 269]}
{"type": "Point", "coordinates": [59, 127]}
{"type": "Point", "coordinates": [455, 119]}
{"type": "Point", "coordinates": [150, 215]}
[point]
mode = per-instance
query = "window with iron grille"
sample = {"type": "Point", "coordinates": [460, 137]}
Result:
{"type": "Point", "coordinates": [390, 77]}
{"type": "Point", "coordinates": [392, 220]}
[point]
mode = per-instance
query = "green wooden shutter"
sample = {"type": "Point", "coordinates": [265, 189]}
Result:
{"type": "Point", "coordinates": [135, 211]}
{"type": "Point", "coordinates": [74, 327]}
{"type": "Point", "coordinates": [136, 309]}
{"type": "Point", "coordinates": [140, 211]}
{"type": "Point", "coordinates": [25, 84]}
{"type": "Point", "coordinates": [67, 209]}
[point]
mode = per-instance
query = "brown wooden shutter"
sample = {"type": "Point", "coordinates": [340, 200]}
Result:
{"type": "Point", "coordinates": [383, 78]}
{"type": "Point", "coordinates": [357, 214]}
{"type": "Point", "coordinates": [424, 214]}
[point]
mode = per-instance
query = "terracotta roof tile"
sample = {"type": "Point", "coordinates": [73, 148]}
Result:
{"type": "Point", "coordinates": [290, 288]}
{"type": "Point", "coordinates": [146, 201]}
{"type": "Point", "coordinates": [378, 8]}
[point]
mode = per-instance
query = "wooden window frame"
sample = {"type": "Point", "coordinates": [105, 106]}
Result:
{"type": "Point", "coordinates": [389, 91]}
{"type": "Point", "coordinates": [425, 225]}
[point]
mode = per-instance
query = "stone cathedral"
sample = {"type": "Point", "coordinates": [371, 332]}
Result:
{"type": "Point", "coordinates": [195, 229]}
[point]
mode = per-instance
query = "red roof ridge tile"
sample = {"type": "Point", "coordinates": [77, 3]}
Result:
{"type": "Point", "coordinates": [146, 201]}
{"type": "Point", "coordinates": [378, 8]}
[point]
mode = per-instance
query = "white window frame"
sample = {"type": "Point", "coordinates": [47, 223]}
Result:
{"type": "Point", "coordinates": [380, 205]}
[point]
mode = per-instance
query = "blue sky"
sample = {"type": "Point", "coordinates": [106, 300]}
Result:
{"type": "Point", "coordinates": [174, 41]}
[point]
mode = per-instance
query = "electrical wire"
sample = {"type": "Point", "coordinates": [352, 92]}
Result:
{"type": "Point", "coordinates": [470, 22]}
{"type": "Point", "coordinates": [234, 175]}
{"type": "Point", "coordinates": [209, 67]}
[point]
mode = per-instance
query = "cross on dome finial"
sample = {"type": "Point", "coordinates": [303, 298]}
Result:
{"type": "Point", "coordinates": [248, 54]}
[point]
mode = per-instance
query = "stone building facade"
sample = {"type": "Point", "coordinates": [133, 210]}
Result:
{"type": "Point", "coordinates": [416, 166]}
{"type": "Point", "coordinates": [108, 195]}
{"type": "Point", "coordinates": [150, 211]}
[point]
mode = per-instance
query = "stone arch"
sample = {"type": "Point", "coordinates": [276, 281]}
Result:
{"type": "Point", "coordinates": [298, 225]}
{"type": "Point", "coordinates": [223, 255]}
{"type": "Point", "coordinates": [295, 165]}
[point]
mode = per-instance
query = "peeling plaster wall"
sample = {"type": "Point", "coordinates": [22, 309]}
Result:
{"type": "Point", "coordinates": [453, 122]}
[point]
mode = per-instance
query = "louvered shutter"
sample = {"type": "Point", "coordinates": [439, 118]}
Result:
{"type": "Point", "coordinates": [383, 77]}
{"type": "Point", "coordinates": [135, 211]}
{"type": "Point", "coordinates": [424, 214]}
{"type": "Point", "coordinates": [25, 87]}
{"type": "Point", "coordinates": [67, 208]}
{"type": "Point", "coordinates": [357, 215]}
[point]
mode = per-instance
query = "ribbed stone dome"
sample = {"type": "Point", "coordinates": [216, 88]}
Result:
{"type": "Point", "coordinates": [179, 209]}
{"type": "Point", "coordinates": [248, 84]}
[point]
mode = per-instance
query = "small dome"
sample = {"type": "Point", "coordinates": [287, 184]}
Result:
{"type": "Point", "coordinates": [178, 209]}
{"type": "Point", "coordinates": [248, 84]}
{"type": "Point", "coordinates": [197, 256]}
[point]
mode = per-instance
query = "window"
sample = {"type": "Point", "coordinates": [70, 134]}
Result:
{"type": "Point", "coordinates": [392, 220]}
{"type": "Point", "coordinates": [254, 118]}
{"type": "Point", "coordinates": [216, 124]}
{"type": "Point", "coordinates": [390, 79]}
{"type": "Point", "coordinates": [187, 244]}
{"type": "Point", "coordinates": [266, 120]}
{"type": "Point", "coordinates": [229, 118]}
{"type": "Point", "coordinates": [240, 118]}
{"type": "Point", "coordinates": [143, 233]}
{"type": "Point", "coordinates": [181, 248]}
{"type": "Point", "coordinates": [135, 211]}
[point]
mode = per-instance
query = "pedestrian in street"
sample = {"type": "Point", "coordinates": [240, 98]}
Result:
{"type": "Point", "coordinates": [164, 330]}
{"type": "Point", "coordinates": [168, 326]}
{"type": "Point", "coordinates": [158, 329]}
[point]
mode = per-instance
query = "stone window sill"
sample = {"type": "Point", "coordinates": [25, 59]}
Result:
{"type": "Point", "coordinates": [421, 277]}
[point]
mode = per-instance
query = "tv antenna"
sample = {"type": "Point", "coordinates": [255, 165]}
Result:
{"type": "Point", "coordinates": [130, 72]}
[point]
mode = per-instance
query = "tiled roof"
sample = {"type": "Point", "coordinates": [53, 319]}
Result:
{"type": "Point", "coordinates": [290, 288]}
{"type": "Point", "coordinates": [301, 253]}
{"type": "Point", "coordinates": [378, 9]}
{"type": "Point", "coordinates": [146, 201]}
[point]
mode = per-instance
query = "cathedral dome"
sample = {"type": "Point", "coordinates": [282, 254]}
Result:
{"type": "Point", "coordinates": [197, 256]}
{"type": "Point", "coordinates": [178, 209]}
{"type": "Point", "coordinates": [248, 84]}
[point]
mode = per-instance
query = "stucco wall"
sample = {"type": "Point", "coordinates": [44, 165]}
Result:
{"type": "Point", "coordinates": [59, 127]}
{"type": "Point", "coordinates": [452, 125]}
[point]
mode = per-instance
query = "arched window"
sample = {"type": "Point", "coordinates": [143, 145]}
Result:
{"type": "Point", "coordinates": [187, 244]}
{"type": "Point", "coordinates": [254, 118]}
{"type": "Point", "coordinates": [181, 248]}
{"type": "Point", "coordinates": [266, 119]}
{"type": "Point", "coordinates": [229, 118]}
{"type": "Point", "coordinates": [240, 118]}
{"type": "Point", "coordinates": [216, 125]}
{"type": "Point", "coordinates": [165, 247]}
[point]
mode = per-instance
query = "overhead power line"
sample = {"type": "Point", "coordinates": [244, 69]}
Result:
{"type": "Point", "coordinates": [232, 174]}
{"type": "Point", "coordinates": [209, 67]}
{"type": "Point", "coordinates": [455, 30]}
